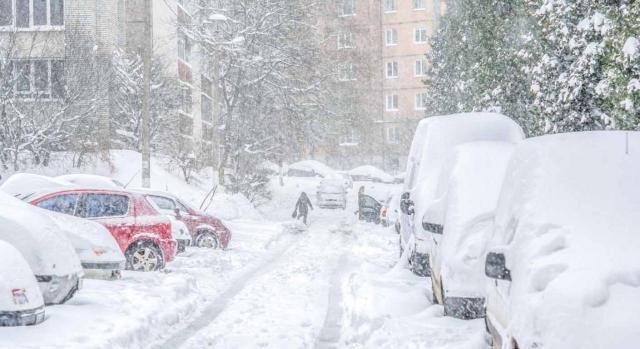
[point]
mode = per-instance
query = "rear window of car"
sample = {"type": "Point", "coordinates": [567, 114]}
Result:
{"type": "Point", "coordinates": [104, 205]}
{"type": "Point", "coordinates": [62, 203]}
{"type": "Point", "coordinates": [162, 202]}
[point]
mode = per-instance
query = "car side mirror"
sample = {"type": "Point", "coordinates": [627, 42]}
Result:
{"type": "Point", "coordinates": [177, 212]}
{"type": "Point", "coordinates": [433, 228]}
{"type": "Point", "coordinates": [496, 267]}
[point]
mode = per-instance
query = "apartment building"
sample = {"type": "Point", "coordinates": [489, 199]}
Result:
{"type": "Point", "coordinates": [407, 26]}
{"type": "Point", "coordinates": [382, 45]}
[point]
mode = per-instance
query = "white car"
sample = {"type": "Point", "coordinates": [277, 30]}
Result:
{"type": "Point", "coordinates": [563, 261]}
{"type": "Point", "coordinates": [433, 142]}
{"type": "Point", "coordinates": [99, 253]}
{"type": "Point", "coordinates": [370, 173]}
{"type": "Point", "coordinates": [48, 252]}
{"type": "Point", "coordinates": [21, 302]}
{"type": "Point", "coordinates": [309, 168]}
{"type": "Point", "coordinates": [179, 231]}
{"type": "Point", "coordinates": [460, 220]}
{"type": "Point", "coordinates": [331, 193]}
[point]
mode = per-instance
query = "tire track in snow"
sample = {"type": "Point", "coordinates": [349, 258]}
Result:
{"type": "Point", "coordinates": [331, 331]}
{"type": "Point", "coordinates": [214, 309]}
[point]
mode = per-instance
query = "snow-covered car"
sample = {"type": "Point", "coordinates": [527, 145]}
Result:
{"type": "Point", "coordinates": [563, 261]}
{"type": "Point", "coordinates": [370, 173]}
{"type": "Point", "coordinates": [21, 302]}
{"type": "Point", "coordinates": [309, 168]}
{"type": "Point", "coordinates": [180, 233]}
{"type": "Point", "coordinates": [331, 193]}
{"type": "Point", "coordinates": [47, 251]}
{"type": "Point", "coordinates": [206, 230]}
{"type": "Point", "coordinates": [91, 181]}
{"type": "Point", "coordinates": [98, 251]}
{"type": "Point", "coordinates": [460, 220]}
{"type": "Point", "coordinates": [434, 140]}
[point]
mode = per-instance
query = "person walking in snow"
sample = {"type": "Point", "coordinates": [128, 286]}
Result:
{"type": "Point", "coordinates": [302, 207]}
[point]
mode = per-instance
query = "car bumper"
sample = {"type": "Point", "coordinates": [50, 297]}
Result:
{"type": "Point", "coordinates": [103, 271]}
{"type": "Point", "coordinates": [22, 318]}
{"type": "Point", "coordinates": [464, 308]}
{"type": "Point", "coordinates": [169, 249]}
{"type": "Point", "coordinates": [58, 289]}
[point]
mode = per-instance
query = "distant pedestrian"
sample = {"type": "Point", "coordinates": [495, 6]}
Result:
{"type": "Point", "coordinates": [302, 207]}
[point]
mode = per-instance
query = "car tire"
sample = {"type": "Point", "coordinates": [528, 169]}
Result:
{"type": "Point", "coordinates": [144, 256]}
{"type": "Point", "coordinates": [71, 293]}
{"type": "Point", "coordinates": [207, 239]}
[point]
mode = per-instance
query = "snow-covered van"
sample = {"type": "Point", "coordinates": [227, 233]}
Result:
{"type": "Point", "coordinates": [48, 252]}
{"type": "Point", "coordinates": [433, 143]}
{"type": "Point", "coordinates": [331, 193]}
{"type": "Point", "coordinates": [460, 220]}
{"type": "Point", "coordinates": [21, 302]}
{"type": "Point", "coordinates": [99, 253]}
{"type": "Point", "coordinates": [563, 262]}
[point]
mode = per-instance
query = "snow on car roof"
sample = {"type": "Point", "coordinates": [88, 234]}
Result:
{"type": "Point", "coordinates": [37, 237]}
{"type": "Point", "coordinates": [569, 212]}
{"type": "Point", "coordinates": [92, 181]}
{"type": "Point", "coordinates": [372, 172]}
{"type": "Point", "coordinates": [312, 165]}
{"type": "Point", "coordinates": [25, 183]}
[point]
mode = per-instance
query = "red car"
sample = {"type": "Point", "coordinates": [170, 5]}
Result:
{"type": "Point", "coordinates": [206, 230]}
{"type": "Point", "coordinates": [143, 234]}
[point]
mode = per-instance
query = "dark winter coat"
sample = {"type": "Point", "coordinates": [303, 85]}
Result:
{"type": "Point", "coordinates": [303, 205]}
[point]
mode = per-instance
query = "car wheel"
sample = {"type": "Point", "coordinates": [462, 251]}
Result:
{"type": "Point", "coordinates": [207, 240]}
{"type": "Point", "coordinates": [71, 293]}
{"type": "Point", "coordinates": [144, 256]}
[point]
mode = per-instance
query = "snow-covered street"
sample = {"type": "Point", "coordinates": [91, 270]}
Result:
{"type": "Point", "coordinates": [334, 285]}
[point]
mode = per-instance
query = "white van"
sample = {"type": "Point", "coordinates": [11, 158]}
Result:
{"type": "Point", "coordinates": [21, 301]}
{"type": "Point", "coordinates": [563, 261]}
{"type": "Point", "coordinates": [460, 220]}
{"type": "Point", "coordinates": [433, 143]}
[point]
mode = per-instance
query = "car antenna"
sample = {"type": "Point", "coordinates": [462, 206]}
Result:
{"type": "Point", "coordinates": [131, 180]}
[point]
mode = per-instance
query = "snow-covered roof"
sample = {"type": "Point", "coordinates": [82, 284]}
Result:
{"type": "Point", "coordinates": [312, 166]}
{"type": "Point", "coordinates": [372, 172]}
{"type": "Point", "coordinates": [569, 217]}
{"type": "Point", "coordinates": [26, 183]}
{"type": "Point", "coordinates": [91, 181]}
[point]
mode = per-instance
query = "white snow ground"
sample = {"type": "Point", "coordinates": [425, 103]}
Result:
{"type": "Point", "coordinates": [331, 286]}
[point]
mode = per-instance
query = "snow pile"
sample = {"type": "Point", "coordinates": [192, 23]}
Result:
{"type": "Point", "coordinates": [309, 168]}
{"type": "Point", "coordinates": [370, 173]}
{"type": "Point", "coordinates": [25, 184]}
{"type": "Point", "coordinates": [91, 181]}
{"type": "Point", "coordinates": [568, 223]}
{"type": "Point", "coordinates": [631, 48]}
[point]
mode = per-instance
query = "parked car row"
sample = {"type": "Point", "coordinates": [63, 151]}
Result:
{"type": "Point", "coordinates": [77, 226]}
{"type": "Point", "coordinates": [539, 236]}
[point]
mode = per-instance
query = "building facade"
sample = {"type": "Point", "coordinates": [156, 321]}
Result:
{"type": "Point", "coordinates": [382, 47]}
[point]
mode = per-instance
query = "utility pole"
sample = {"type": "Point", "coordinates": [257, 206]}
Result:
{"type": "Point", "coordinates": [145, 133]}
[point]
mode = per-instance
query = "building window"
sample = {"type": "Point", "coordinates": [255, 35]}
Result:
{"type": "Point", "coordinates": [420, 35]}
{"type": "Point", "coordinates": [6, 13]}
{"type": "Point", "coordinates": [347, 72]}
{"type": "Point", "coordinates": [393, 135]}
{"type": "Point", "coordinates": [392, 102]}
{"type": "Point", "coordinates": [350, 137]}
{"type": "Point", "coordinates": [418, 5]}
{"type": "Point", "coordinates": [421, 101]}
{"type": "Point", "coordinates": [421, 67]}
{"type": "Point", "coordinates": [184, 48]}
{"type": "Point", "coordinates": [39, 79]}
{"type": "Point", "coordinates": [392, 70]}
{"type": "Point", "coordinates": [31, 13]}
{"type": "Point", "coordinates": [345, 40]}
{"type": "Point", "coordinates": [206, 100]}
{"type": "Point", "coordinates": [186, 102]}
{"type": "Point", "coordinates": [391, 36]}
{"type": "Point", "coordinates": [348, 8]}
{"type": "Point", "coordinates": [390, 6]}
